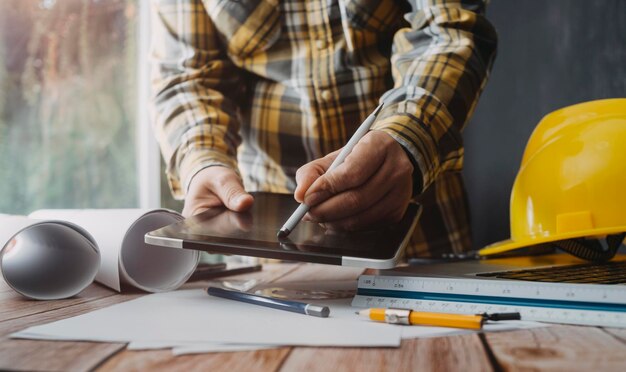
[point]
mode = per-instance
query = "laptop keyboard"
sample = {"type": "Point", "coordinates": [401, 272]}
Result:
{"type": "Point", "coordinates": [590, 273]}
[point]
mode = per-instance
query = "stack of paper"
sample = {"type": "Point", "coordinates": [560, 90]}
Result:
{"type": "Point", "coordinates": [190, 321]}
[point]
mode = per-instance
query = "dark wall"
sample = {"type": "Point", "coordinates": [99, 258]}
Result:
{"type": "Point", "coordinates": [551, 54]}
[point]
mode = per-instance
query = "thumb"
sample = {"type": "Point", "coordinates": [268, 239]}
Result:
{"type": "Point", "coordinates": [229, 189]}
{"type": "Point", "coordinates": [308, 173]}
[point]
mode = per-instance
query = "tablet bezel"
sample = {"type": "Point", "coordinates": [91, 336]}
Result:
{"type": "Point", "coordinates": [173, 236]}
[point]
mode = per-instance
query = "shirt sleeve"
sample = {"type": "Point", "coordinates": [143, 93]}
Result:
{"type": "Point", "coordinates": [440, 65]}
{"type": "Point", "coordinates": [193, 86]}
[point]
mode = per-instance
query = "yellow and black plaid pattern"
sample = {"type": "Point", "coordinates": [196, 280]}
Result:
{"type": "Point", "coordinates": [291, 80]}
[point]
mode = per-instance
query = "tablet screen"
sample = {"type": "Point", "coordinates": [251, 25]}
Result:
{"type": "Point", "coordinates": [253, 233]}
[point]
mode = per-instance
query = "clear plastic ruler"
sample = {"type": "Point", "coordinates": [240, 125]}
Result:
{"type": "Point", "coordinates": [547, 302]}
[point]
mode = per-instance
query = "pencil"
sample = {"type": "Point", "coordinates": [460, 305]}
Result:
{"type": "Point", "coordinates": [404, 316]}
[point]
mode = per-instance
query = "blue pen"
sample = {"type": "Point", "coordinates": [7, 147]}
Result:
{"type": "Point", "coordinates": [293, 306]}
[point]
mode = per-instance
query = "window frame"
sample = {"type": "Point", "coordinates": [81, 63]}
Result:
{"type": "Point", "coordinates": [148, 155]}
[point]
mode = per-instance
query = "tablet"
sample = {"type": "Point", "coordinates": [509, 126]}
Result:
{"type": "Point", "coordinates": [253, 233]}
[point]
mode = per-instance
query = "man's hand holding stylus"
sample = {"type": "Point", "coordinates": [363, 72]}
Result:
{"type": "Point", "coordinates": [371, 188]}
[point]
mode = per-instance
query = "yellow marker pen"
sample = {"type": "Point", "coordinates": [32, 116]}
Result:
{"type": "Point", "coordinates": [410, 317]}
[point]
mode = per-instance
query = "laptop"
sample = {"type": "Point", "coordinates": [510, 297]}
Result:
{"type": "Point", "coordinates": [551, 268]}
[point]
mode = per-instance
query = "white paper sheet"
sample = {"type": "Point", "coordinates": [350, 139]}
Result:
{"type": "Point", "coordinates": [125, 258]}
{"type": "Point", "coordinates": [216, 348]}
{"type": "Point", "coordinates": [193, 316]}
{"type": "Point", "coordinates": [407, 332]}
{"type": "Point", "coordinates": [196, 348]}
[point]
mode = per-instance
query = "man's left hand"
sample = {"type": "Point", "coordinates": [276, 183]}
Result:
{"type": "Point", "coordinates": [371, 188]}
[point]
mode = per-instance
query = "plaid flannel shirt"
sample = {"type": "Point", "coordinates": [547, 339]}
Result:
{"type": "Point", "coordinates": [291, 80]}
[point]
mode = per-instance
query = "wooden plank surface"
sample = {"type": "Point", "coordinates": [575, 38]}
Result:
{"type": "Point", "coordinates": [553, 348]}
{"type": "Point", "coordinates": [18, 312]}
{"type": "Point", "coordinates": [619, 333]}
{"type": "Point", "coordinates": [262, 360]}
{"type": "Point", "coordinates": [14, 305]}
{"type": "Point", "coordinates": [558, 348]}
{"type": "Point", "coordinates": [316, 273]}
{"type": "Point", "coordinates": [79, 356]}
{"type": "Point", "coordinates": [58, 313]}
{"type": "Point", "coordinates": [28, 355]}
{"type": "Point", "coordinates": [454, 353]}
{"type": "Point", "coordinates": [162, 360]}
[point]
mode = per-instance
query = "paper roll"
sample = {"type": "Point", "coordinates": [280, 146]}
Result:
{"type": "Point", "coordinates": [125, 258]}
{"type": "Point", "coordinates": [46, 260]}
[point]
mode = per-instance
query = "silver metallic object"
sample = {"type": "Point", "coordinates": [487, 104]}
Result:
{"type": "Point", "coordinates": [47, 260]}
{"type": "Point", "coordinates": [397, 316]}
{"type": "Point", "coordinates": [316, 310]}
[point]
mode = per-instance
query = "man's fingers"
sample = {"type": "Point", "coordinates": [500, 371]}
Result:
{"type": "Point", "coordinates": [358, 167]}
{"type": "Point", "coordinates": [199, 203]}
{"type": "Point", "coordinates": [192, 211]}
{"type": "Point", "coordinates": [308, 173]}
{"type": "Point", "coordinates": [228, 188]}
{"type": "Point", "coordinates": [381, 214]}
{"type": "Point", "coordinates": [355, 200]}
{"type": "Point", "coordinates": [216, 186]}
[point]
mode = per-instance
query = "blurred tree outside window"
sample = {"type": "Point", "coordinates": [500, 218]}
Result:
{"type": "Point", "coordinates": [68, 101]}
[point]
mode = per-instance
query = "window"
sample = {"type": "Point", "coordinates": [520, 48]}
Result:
{"type": "Point", "coordinates": [72, 76]}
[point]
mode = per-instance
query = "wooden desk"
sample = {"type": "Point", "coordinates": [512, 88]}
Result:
{"type": "Point", "coordinates": [563, 348]}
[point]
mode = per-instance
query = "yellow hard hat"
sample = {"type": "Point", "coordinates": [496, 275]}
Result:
{"type": "Point", "coordinates": [570, 190]}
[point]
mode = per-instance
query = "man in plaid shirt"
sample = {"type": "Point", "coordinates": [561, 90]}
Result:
{"type": "Point", "coordinates": [291, 80]}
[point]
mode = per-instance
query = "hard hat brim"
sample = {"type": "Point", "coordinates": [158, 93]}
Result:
{"type": "Point", "coordinates": [510, 245]}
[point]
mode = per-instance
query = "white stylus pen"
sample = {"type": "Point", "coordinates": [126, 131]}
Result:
{"type": "Point", "coordinates": [297, 215]}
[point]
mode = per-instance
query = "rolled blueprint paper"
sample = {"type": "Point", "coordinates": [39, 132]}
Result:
{"type": "Point", "coordinates": [125, 258]}
{"type": "Point", "coordinates": [46, 260]}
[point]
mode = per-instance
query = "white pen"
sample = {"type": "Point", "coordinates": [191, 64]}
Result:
{"type": "Point", "coordinates": [297, 215]}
